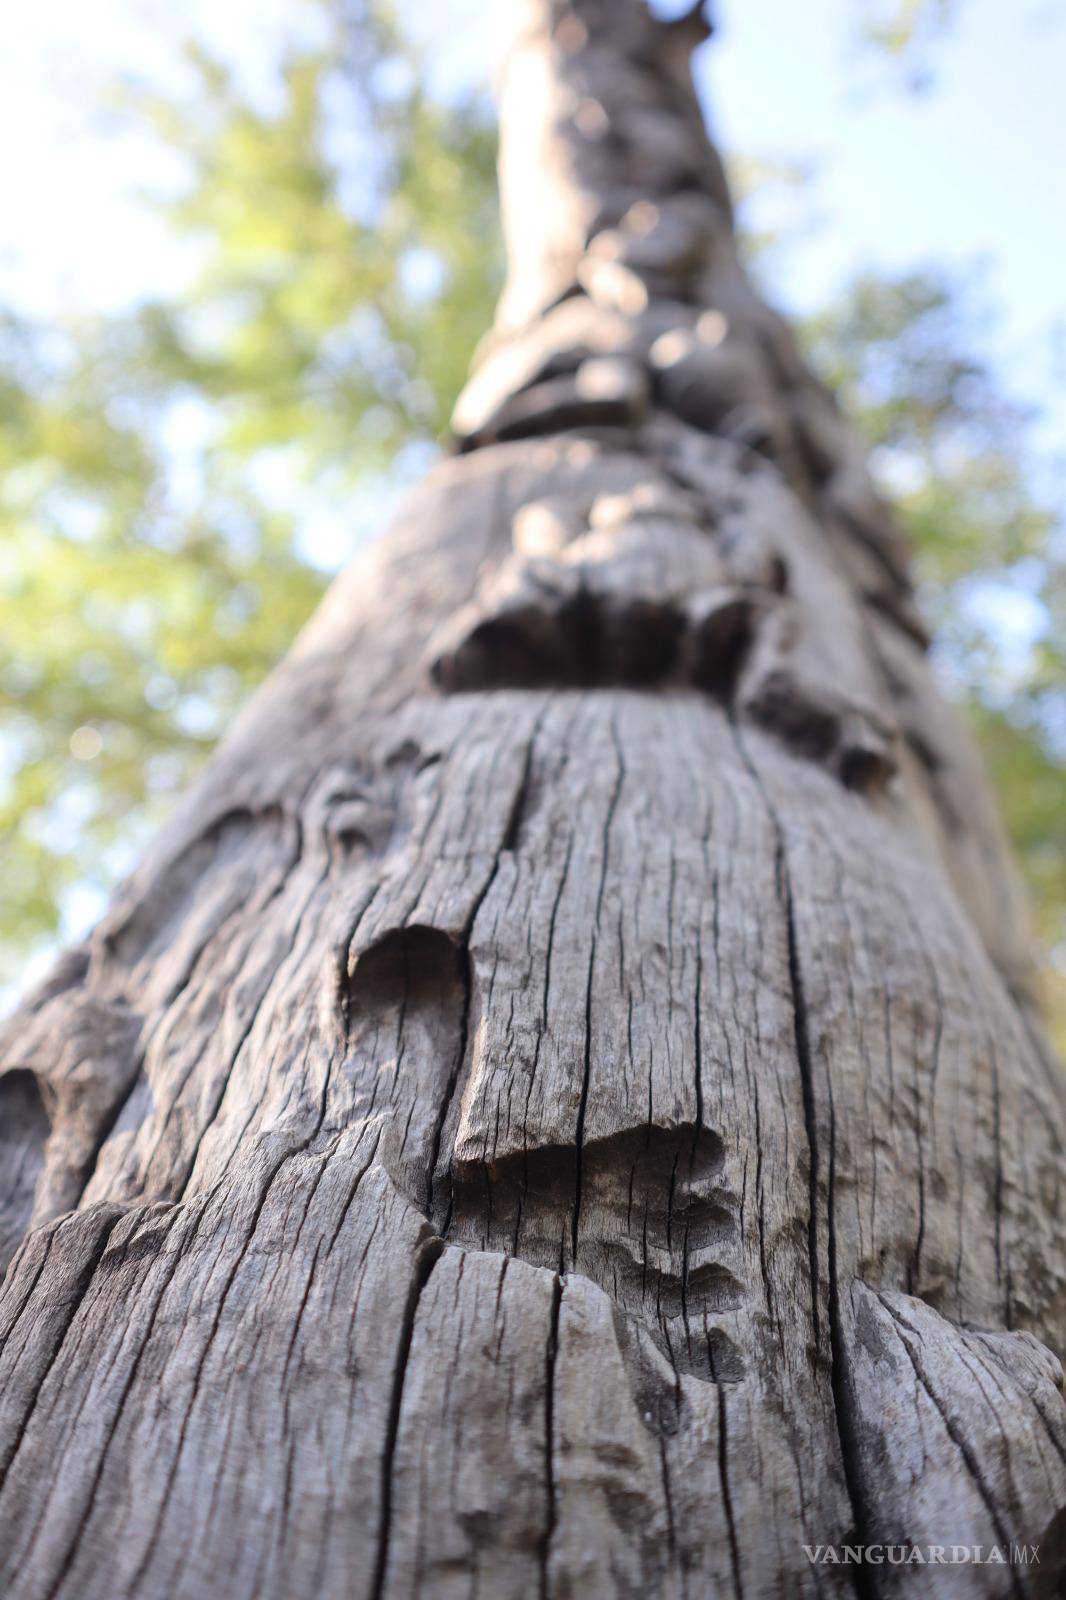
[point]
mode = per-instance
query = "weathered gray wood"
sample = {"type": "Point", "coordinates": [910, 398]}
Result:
{"type": "Point", "coordinates": [560, 1110]}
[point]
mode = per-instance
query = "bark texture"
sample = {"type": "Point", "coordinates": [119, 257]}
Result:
{"type": "Point", "coordinates": [560, 1112]}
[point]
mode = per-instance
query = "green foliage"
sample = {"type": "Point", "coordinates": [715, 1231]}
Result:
{"type": "Point", "coordinates": [176, 478]}
{"type": "Point", "coordinates": [954, 454]}
{"type": "Point", "coordinates": [179, 480]}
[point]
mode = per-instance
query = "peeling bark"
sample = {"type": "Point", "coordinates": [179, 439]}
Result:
{"type": "Point", "coordinates": [560, 1111]}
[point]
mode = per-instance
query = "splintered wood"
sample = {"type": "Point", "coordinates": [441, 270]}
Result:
{"type": "Point", "coordinates": [560, 1112]}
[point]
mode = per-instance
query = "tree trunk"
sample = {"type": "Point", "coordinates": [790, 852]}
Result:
{"type": "Point", "coordinates": [560, 1111]}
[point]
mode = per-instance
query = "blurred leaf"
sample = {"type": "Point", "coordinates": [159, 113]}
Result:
{"type": "Point", "coordinates": [179, 481]}
{"type": "Point", "coordinates": [955, 454]}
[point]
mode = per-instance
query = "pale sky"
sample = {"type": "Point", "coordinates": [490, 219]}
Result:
{"type": "Point", "coordinates": [972, 171]}
{"type": "Point", "coordinates": [973, 168]}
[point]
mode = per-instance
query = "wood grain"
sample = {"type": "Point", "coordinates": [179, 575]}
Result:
{"type": "Point", "coordinates": [560, 1111]}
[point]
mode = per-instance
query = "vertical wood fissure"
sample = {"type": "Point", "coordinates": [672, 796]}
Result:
{"type": "Point", "coordinates": [429, 1253]}
{"type": "Point", "coordinates": [635, 1052]}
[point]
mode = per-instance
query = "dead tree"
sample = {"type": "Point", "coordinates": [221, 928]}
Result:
{"type": "Point", "coordinates": [560, 1112]}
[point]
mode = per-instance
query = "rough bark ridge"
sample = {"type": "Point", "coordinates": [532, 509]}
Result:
{"type": "Point", "coordinates": [559, 1113]}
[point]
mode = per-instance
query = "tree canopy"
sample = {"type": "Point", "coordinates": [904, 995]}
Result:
{"type": "Point", "coordinates": [182, 477]}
